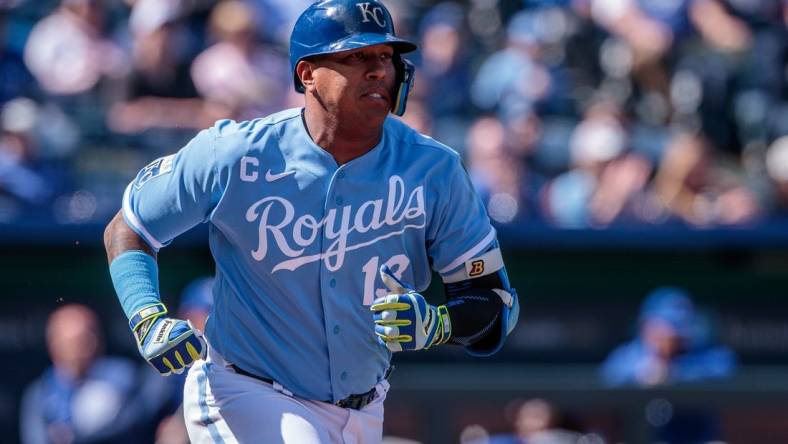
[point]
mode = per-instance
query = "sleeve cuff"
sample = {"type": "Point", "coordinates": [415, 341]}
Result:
{"type": "Point", "coordinates": [134, 223]}
{"type": "Point", "coordinates": [476, 249]}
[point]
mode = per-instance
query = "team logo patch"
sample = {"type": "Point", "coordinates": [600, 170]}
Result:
{"type": "Point", "coordinates": [477, 268]}
{"type": "Point", "coordinates": [162, 165]}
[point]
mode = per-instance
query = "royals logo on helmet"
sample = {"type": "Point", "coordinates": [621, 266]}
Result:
{"type": "Point", "coordinates": [375, 13]}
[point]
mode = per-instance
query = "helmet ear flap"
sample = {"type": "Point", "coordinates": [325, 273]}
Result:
{"type": "Point", "coordinates": [405, 76]}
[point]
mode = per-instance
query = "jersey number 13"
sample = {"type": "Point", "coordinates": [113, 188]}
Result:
{"type": "Point", "coordinates": [398, 264]}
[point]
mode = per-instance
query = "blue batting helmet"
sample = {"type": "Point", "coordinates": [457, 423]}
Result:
{"type": "Point", "coordinates": [330, 26]}
{"type": "Point", "coordinates": [673, 306]}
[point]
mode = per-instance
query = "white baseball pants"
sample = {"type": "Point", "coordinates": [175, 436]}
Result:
{"type": "Point", "coordinates": [221, 406]}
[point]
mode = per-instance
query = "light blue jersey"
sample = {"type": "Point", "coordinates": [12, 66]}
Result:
{"type": "Point", "coordinates": [298, 240]}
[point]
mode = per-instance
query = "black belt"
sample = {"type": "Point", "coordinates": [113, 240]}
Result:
{"type": "Point", "coordinates": [355, 402]}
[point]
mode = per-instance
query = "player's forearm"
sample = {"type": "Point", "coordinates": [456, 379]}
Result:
{"type": "Point", "coordinates": [135, 276]}
{"type": "Point", "coordinates": [120, 238]}
{"type": "Point", "coordinates": [132, 267]}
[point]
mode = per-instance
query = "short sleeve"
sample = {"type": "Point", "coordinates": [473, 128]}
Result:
{"type": "Point", "coordinates": [461, 228]}
{"type": "Point", "coordinates": [174, 193]}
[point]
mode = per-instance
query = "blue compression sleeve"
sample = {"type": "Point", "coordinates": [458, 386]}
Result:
{"type": "Point", "coordinates": [135, 276]}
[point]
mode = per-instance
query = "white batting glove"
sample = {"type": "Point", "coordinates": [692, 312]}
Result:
{"type": "Point", "coordinates": [169, 345]}
{"type": "Point", "coordinates": [405, 321]}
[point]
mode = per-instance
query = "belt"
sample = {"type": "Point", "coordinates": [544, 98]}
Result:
{"type": "Point", "coordinates": [355, 402]}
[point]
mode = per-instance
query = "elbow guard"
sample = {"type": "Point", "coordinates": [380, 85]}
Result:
{"type": "Point", "coordinates": [482, 306]}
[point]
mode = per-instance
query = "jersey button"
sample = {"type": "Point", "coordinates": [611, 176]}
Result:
{"type": "Point", "coordinates": [343, 376]}
{"type": "Point", "coordinates": [332, 283]}
{"type": "Point", "coordinates": [339, 200]}
{"type": "Point", "coordinates": [341, 175]}
{"type": "Point", "coordinates": [336, 329]}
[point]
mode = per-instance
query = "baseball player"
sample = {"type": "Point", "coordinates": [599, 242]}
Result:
{"type": "Point", "coordinates": [325, 224]}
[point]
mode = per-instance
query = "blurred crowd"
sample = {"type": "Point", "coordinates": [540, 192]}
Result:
{"type": "Point", "coordinates": [89, 396]}
{"type": "Point", "coordinates": [569, 113]}
{"type": "Point", "coordinates": [674, 345]}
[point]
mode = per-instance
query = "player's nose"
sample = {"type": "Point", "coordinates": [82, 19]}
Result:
{"type": "Point", "coordinates": [376, 69]}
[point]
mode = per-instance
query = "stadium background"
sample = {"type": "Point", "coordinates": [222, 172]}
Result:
{"type": "Point", "coordinates": [620, 146]}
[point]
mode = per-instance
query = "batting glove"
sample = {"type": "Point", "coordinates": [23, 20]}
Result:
{"type": "Point", "coordinates": [405, 321]}
{"type": "Point", "coordinates": [169, 345]}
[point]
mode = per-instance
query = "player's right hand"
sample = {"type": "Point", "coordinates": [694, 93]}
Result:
{"type": "Point", "coordinates": [169, 345]}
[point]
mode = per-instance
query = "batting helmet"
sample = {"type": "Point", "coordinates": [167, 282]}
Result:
{"type": "Point", "coordinates": [330, 26]}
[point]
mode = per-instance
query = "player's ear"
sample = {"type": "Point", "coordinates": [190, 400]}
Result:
{"type": "Point", "coordinates": [305, 72]}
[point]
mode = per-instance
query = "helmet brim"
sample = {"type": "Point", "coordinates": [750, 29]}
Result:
{"type": "Point", "coordinates": [356, 41]}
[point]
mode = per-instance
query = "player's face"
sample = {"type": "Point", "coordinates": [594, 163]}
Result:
{"type": "Point", "coordinates": [358, 84]}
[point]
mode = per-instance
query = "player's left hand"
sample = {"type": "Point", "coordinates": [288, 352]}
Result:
{"type": "Point", "coordinates": [404, 320]}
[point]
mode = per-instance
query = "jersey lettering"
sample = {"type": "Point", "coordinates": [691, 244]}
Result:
{"type": "Point", "coordinates": [304, 230]}
{"type": "Point", "coordinates": [246, 174]}
{"type": "Point", "coordinates": [398, 264]}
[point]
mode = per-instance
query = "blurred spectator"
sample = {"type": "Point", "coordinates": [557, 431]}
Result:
{"type": "Point", "coordinates": [710, 71]}
{"type": "Point", "coordinates": [159, 89]}
{"type": "Point", "coordinates": [692, 185]}
{"type": "Point", "coordinates": [85, 396]}
{"type": "Point", "coordinates": [499, 173]}
{"type": "Point", "coordinates": [580, 45]}
{"type": "Point", "coordinates": [237, 72]}
{"type": "Point", "coordinates": [75, 63]}
{"type": "Point", "coordinates": [537, 421]}
{"type": "Point", "coordinates": [605, 179]}
{"type": "Point", "coordinates": [444, 71]}
{"type": "Point", "coordinates": [68, 51]}
{"type": "Point", "coordinates": [195, 306]}
{"type": "Point", "coordinates": [739, 65]}
{"type": "Point", "coordinates": [277, 18]}
{"type": "Point", "coordinates": [719, 27]}
{"type": "Point", "coordinates": [417, 116]}
{"type": "Point", "coordinates": [442, 62]}
{"type": "Point", "coordinates": [674, 345]}
{"type": "Point", "coordinates": [512, 80]}
{"type": "Point", "coordinates": [28, 180]}
{"type": "Point", "coordinates": [196, 302]}
{"type": "Point", "coordinates": [649, 29]}
{"type": "Point", "coordinates": [777, 167]}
